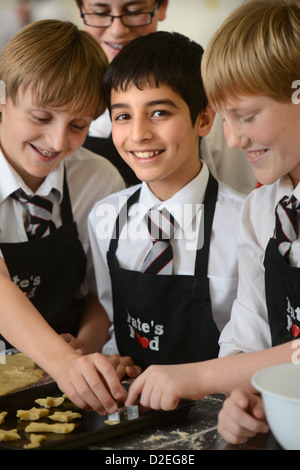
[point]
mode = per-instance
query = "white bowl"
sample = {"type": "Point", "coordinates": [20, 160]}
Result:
{"type": "Point", "coordinates": [280, 390]}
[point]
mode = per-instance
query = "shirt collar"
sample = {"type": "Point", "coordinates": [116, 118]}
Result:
{"type": "Point", "coordinates": [11, 180]}
{"type": "Point", "coordinates": [284, 187]}
{"type": "Point", "coordinates": [184, 205]}
{"type": "Point", "coordinates": [296, 192]}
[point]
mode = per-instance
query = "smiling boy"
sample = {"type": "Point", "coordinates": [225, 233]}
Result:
{"type": "Point", "coordinates": [134, 19]}
{"type": "Point", "coordinates": [129, 20]}
{"type": "Point", "coordinates": [158, 115]}
{"type": "Point", "coordinates": [114, 24]}
{"type": "Point", "coordinates": [48, 108]}
{"type": "Point", "coordinates": [254, 97]}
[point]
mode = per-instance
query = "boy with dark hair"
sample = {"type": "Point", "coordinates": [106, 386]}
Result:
{"type": "Point", "coordinates": [159, 112]}
{"type": "Point", "coordinates": [114, 24]}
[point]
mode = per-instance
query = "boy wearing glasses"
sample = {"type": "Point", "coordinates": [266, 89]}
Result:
{"type": "Point", "coordinates": [114, 24]}
{"type": "Point", "coordinates": [129, 21]}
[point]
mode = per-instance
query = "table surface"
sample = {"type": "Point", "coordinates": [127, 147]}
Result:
{"type": "Point", "coordinates": [197, 431]}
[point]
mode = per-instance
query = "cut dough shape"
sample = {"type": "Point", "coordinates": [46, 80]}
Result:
{"type": "Point", "coordinates": [59, 428]}
{"type": "Point", "coordinates": [2, 416]}
{"type": "Point", "coordinates": [50, 402]}
{"type": "Point", "coordinates": [33, 414]}
{"type": "Point", "coordinates": [11, 435]}
{"type": "Point", "coordinates": [35, 441]}
{"type": "Point", "coordinates": [64, 416]}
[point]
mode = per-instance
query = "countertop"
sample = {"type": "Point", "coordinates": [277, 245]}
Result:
{"type": "Point", "coordinates": [197, 431]}
{"type": "Point", "coordinates": [186, 431]}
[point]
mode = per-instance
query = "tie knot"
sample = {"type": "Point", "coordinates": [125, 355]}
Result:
{"type": "Point", "coordinates": [290, 202]}
{"type": "Point", "coordinates": [286, 228]}
{"type": "Point", "coordinates": [40, 213]}
{"type": "Point", "coordinates": [160, 224]}
{"type": "Point", "coordinates": [39, 206]}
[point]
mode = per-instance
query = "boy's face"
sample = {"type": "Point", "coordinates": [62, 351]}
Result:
{"type": "Point", "coordinates": [153, 132]}
{"type": "Point", "coordinates": [116, 36]}
{"type": "Point", "coordinates": [36, 139]}
{"type": "Point", "coordinates": [268, 131]}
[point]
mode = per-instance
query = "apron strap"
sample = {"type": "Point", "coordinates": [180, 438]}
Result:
{"type": "Point", "coordinates": [210, 199]}
{"type": "Point", "coordinates": [121, 219]}
{"type": "Point", "coordinates": [202, 255]}
{"type": "Point", "coordinates": [66, 207]}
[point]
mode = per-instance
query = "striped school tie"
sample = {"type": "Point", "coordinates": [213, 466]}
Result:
{"type": "Point", "coordinates": [161, 228]}
{"type": "Point", "coordinates": [40, 212]}
{"type": "Point", "coordinates": [286, 230]}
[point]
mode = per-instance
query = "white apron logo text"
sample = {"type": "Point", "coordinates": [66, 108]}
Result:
{"type": "Point", "coordinates": [28, 286]}
{"type": "Point", "coordinates": [143, 331]}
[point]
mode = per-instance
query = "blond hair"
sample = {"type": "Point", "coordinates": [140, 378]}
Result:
{"type": "Point", "coordinates": [60, 63]}
{"type": "Point", "coordinates": [255, 51]}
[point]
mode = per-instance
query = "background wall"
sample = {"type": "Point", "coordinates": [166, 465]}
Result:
{"type": "Point", "coordinates": [197, 19]}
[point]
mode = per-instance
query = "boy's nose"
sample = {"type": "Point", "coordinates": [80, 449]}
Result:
{"type": "Point", "coordinates": [117, 27]}
{"type": "Point", "coordinates": [140, 131]}
{"type": "Point", "coordinates": [235, 138]}
{"type": "Point", "coordinates": [57, 138]}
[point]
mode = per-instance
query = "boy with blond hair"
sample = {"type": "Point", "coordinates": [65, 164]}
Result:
{"type": "Point", "coordinates": [52, 73]}
{"type": "Point", "coordinates": [250, 71]}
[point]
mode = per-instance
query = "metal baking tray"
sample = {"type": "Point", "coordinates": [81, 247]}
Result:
{"type": "Point", "coordinates": [89, 429]}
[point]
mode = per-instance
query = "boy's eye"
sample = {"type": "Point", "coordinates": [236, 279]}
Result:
{"type": "Point", "coordinates": [122, 117]}
{"type": "Point", "coordinates": [79, 125]}
{"type": "Point", "coordinates": [248, 118]}
{"type": "Point", "coordinates": [160, 113]}
{"type": "Point", "coordinates": [41, 119]}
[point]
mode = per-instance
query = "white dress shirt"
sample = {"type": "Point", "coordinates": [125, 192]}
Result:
{"type": "Point", "coordinates": [89, 178]}
{"type": "Point", "coordinates": [134, 243]}
{"type": "Point", "coordinates": [228, 165]}
{"type": "Point", "coordinates": [248, 329]}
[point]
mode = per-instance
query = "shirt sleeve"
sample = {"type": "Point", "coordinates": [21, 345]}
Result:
{"type": "Point", "coordinates": [99, 246]}
{"type": "Point", "coordinates": [248, 329]}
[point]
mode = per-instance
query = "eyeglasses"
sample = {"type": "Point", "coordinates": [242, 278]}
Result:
{"type": "Point", "coordinates": [102, 20]}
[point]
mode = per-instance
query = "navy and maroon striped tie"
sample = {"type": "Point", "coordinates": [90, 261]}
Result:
{"type": "Point", "coordinates": [286, 230]}
{"type": "Point", "coordinates": [161, 228]}
{"type": "Point", "coordinates": [40, 212]}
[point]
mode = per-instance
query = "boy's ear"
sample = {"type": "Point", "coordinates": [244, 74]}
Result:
{"type": "Point", "coordinates": [162, 11]}
{"type": "Point", "coordinates": [205, 121]}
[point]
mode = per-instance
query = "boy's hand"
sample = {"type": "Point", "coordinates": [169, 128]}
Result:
{"type": "Point", "coordinates": [159, 387]}
{"type": "Point", "coordinates": [90, 382]}
{"type": "Point", "coordinates": [124, 366]}
{"type": "Point", "coordinates": [75, 343]}
{"type": "Point", "coordinates": [242, 417]}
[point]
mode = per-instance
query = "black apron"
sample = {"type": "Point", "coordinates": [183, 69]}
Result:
{"type": "Point", "coordinates": [106, 148]}
{"type": "Point", "coordinates": [50, 270]}
{"type": "Point", "coordinates": [282, 283]}
{"type": "Point", "coordinates": [165, 319]}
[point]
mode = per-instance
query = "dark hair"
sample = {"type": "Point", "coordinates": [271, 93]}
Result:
{"type": "Point", "coordinates": [80, 3]}
{"type": "Point", "coordinates": [160, 58]}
